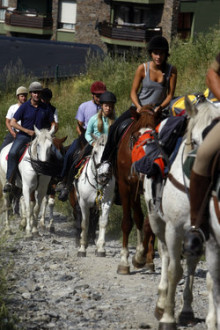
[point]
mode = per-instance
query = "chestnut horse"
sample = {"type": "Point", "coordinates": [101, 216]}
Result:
{"type": "Point", "coordinates": [130, 197]}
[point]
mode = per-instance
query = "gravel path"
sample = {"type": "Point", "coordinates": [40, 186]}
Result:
{"type": "Point", "coordinates": [51, 288]}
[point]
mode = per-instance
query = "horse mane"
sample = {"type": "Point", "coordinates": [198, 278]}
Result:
{"type": "Point", "coordinates": [52, 167]}
{"type": "Point", "coordinates": [101, 140]}
{"type": "Point", "coordinates": [146, 118]}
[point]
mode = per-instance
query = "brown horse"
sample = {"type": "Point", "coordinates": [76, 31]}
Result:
{"type": "Point", "coordinates": [129, 189]}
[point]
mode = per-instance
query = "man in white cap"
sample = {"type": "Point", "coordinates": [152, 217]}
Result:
{"type": "Point", "coordinates": [21, 94]}
{"type": "Point", "coordinates": [31, 113]}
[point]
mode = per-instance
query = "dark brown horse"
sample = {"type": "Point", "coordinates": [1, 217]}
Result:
{"type": "Point", "coordinates": [130, 193]}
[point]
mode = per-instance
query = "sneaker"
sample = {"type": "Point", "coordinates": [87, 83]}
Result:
{"type": "Point", "coordinates": [7, 187]}
{"type": "Point", "coordinates": [194, 241]}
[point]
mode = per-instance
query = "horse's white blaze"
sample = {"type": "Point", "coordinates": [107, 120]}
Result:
{"type": "Point", "coordinates": [87, 187]}
{"type": "Point", "coordinates": [171, 223]}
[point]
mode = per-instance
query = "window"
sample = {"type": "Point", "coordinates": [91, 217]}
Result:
{"type": "Point", "coordinates": [67, 14]}
{"type": "Point", "coordinates": [4, 3]}
{"type": "Point", "coordinates": [184, 25]}
{"type": "Point", "coordinates": [2, 14]}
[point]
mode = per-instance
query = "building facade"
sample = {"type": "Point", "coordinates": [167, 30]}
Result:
{"type": "Point", "coordinates": [114, 25]}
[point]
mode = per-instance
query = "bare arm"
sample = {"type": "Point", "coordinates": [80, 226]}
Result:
{"type": "Point", "coordinates": [213, 82]}
{"type": "Point", "coordinates": [80, 127]}
{"type": "Point", "coordinates": [7, 123]}
{"type": "Point", "coordinates": [139, 76]}
{"type": "Point", "coordinates": [14, 124]}
{"type": "Point", "coordinates": [171, 90]}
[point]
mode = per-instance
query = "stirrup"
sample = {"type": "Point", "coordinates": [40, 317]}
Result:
{"type": "Point", "coordinates": [7, 187]}
{"type": "Point", "coordinates": [63, 196]}
{"type": "Point", "coordinates": [194, 242]}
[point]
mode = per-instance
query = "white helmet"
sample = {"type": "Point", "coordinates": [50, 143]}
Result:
{"type": "Point", "coordinates": [21, 90]}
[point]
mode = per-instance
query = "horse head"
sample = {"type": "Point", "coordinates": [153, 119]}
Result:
{"type": "Point", "coordinates": [200, 116]}
{"type": "Point", "coordinates": [96, 156]}
{"type": "Point", "coordinates": [41, 145]}
{"type": "Point", "coordinates": [58, 143]}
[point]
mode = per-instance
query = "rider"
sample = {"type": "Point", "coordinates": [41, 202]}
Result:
{"type": "Point", "coordinates": [31, 113]}
{"type": "Point", "coordinates": [157, 79]}
{"type": "Point", "coordinates": [200, 179]}
{"type": "Point", "coordinates": [21, 94]}
{"type": "Point", "coordinates": [100, 122]}
{"type": "Point", "coordinates": [46, 96]}
{"type": "Point", "coordinates": [85, 111]}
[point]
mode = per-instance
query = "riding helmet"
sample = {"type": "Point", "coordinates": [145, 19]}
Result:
{"type": "Point", "coordinates": [35, 87]}
{"type": "Point", "coordinates": [98, 87]}
{"type": "Point", "coordinates": [158, 43]}
{"type": "Point", "coordinates": [21, 90]}
{"type": "Point", "coordinates": [46, 94]}
{"type": "Point", "coordinates": [108, 97]}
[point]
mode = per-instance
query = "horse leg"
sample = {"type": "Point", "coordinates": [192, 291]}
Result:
{"type": "Point", "coordinates": [28, 211]}
{"type": "Point", "coordinates": [186, 316]}
{"type": "Point", "coordinates": [93, 221]}
{"type": "Point", "coordinates": [77, 215]}
{"type": "Point", "coordinates": [43, 211]}
{"type": "Point", "coordinates": [138, 259]}
{"type": "Point", "coordinates": [211, 316]}
{"type": "Point", "coordinates": [84, 233]}
{"type": "Point", "coordinates": [175, 272]}
{"type": "Point", "coordinates": [23, 222]}
{"type": "Point", "coordinates": [213, 262]}
{"type": "Point", "coordinates": [149, 241]}
{"type": "Point", "coordinates": [103, 221]}
{"type": "Point", "coordinates": [51, 203]}
{"type": "Point", "coordinates": [126, 226]}
{"type": "Point", "coordinates": [6, 199]}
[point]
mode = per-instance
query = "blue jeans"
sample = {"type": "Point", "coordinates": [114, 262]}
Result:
{"type": "Point", "coordinates": [13, 155]}
{"type": "Point", "coordinates": [68, 158]}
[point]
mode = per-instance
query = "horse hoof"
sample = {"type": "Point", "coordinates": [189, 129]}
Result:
{"type": "Point", "coordinates": [81, 254]}
{"type": "Point", "coordinates": [137, 264]}
{"type": "Point", "coordinates": [52, 229]}
{"type": "Point", "coordinates": [123, 270]}
{"type": "Point", "coordinates": [158, 313]}
{"type": "Point", "coordinates": [167, 326]}
{"type": "Point", "coordinates": [100, 254]}
{"type": "Point", "coordinates": [150, 267]}
{"type": "Point", "coordinates": [187, 319]}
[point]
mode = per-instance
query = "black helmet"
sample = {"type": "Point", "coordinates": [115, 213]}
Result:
{"type": "Point", "coordinates": [108, 97]}
{"type": "Point", "coordinates": [158, 43]}
{"type": "Point", "coordinates": [46, 94]}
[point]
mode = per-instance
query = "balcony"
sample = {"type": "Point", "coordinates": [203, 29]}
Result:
{"type": "Point", "coordinates": [28, 22]}
{"type": "Point", "coordinates": [128, 33]}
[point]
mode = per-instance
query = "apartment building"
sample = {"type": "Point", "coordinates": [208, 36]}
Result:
{"type": "Point", "coordinates": [114, 25]}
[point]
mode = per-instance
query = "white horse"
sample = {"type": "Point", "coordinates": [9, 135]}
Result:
{"type": "Point", "coordinates": [93, 193]}
{"type": "Point", "coordinates": [30, 181]}
{"type": "Point", "coordinates": [173, 219]}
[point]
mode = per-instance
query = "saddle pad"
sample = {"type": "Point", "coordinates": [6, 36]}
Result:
{"type": "Point", "coordinates": [21, 153]}
{"type": "Point", "coordinates": [138, 150]}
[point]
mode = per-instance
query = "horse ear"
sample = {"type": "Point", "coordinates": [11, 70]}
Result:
{"type": "Point", "coordinates": [37, 131]}
{"type": "Point", "coordinates": [190, 107]}
{"type": "Point", "coordinates": [52, 130]}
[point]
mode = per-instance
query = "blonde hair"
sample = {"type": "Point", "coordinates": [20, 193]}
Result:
{"type": "Point", "coordinates": [111, 120]}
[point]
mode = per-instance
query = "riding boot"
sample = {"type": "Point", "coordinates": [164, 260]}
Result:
{"type": "Point", "coordinates": [9, 185]}
{"type": "Point", "coordinates": [63, 196]}
{"type": "Point", "coordinates": [200, 187]}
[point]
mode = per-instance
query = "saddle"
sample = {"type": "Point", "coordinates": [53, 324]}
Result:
{"type": "Point", "coordinates": [121, 129]}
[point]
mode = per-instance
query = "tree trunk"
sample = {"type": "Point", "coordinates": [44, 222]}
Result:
{"type": "Point", "coordinates": [169, 19]}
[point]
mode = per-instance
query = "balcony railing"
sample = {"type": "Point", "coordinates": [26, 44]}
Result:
{"type": "Point", "coordinates": [28, 20]}
{"type": "Point", "coordinates": [128, 32]}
